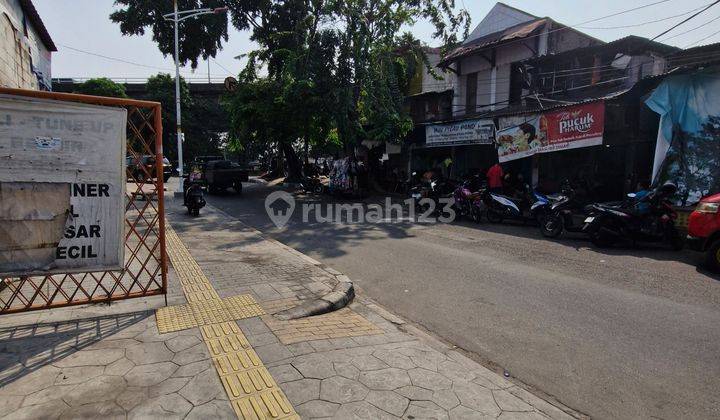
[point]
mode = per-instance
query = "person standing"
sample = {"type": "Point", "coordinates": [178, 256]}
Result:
{"type": "Point", "coordinates": [494, 178]}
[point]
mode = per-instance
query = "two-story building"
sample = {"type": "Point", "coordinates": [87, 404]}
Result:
{"type": "Point", "coordinates": [488, 77]}
{"type": "Point", "coordinates": [611, 82]}
{"type": "Point", "coordinates": [25, 47]}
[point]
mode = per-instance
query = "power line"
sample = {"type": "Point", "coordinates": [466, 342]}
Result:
{"type": "Point", "coordinates": [643, 23]}
{"type": "Point", "coordinates": [221, 66]}
{"type": "Point", "coordinates": [561, 74]}
{"type": "Point", "coordinates": [686, 20]}
{"type": "Point", "coordinates": [565, 27]}
{"type": "Point", "coordinates": [121, 60]}
{"type": "Point", "coordinates": [690, 30]}
{"type": "Point", "coordinates": [698, 57]}
{"type": "Point", "coordinates": [703, 39]}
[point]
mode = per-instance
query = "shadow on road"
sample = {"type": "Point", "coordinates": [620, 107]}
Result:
{"type": "Point", "coordinates": [336, 238]}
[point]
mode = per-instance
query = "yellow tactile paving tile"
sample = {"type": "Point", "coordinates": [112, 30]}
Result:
{"type": "Point", "coordinates": [341, 323]}
{"type": "Point", "coordinates": [210, 332]}
{"type": "Point", "coordinates": [210, 312]}
{"type": "Point", "coordinates": [252, 391]}
{"type": "Point", "coordinates": [247, 382]}
{"type": "Point", "coordinates": [230, 363]}
{"type": "Point", "coordinates": [174, 318]}
{"type": "Point", "coordinates": [228, 344]}
{"type": "Point", "coordinates": [243, 306]}
{"type": "Point", "coordinates": [266, 405]}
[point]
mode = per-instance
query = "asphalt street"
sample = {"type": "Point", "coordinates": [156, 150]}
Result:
{"type": "Point", "coordinates": [612, 333]}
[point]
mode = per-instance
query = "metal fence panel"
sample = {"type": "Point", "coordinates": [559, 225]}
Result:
{"type": "Point", "coordinates": [145, 268]}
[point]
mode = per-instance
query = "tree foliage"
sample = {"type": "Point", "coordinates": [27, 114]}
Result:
{"type": "Point", "coordinates": [199, 118]}
{"type": "Point", "coordinates": [198, 37]}
{"type": "Point", "coordinates": [324, 71]}
{"type": "Point", "coordinates": [101, 87]}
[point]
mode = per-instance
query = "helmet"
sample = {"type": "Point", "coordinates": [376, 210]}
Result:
{"type": "Point", "coordinates": [667, 188]}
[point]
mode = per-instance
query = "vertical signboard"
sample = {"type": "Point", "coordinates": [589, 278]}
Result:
{"type": "Point", "coordinates": [568, 128]}
{"type": "Point", "coordinates": [62, 186]}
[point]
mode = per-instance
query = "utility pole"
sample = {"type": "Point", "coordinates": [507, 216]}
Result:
{"type": "Point", "coordinates": [178, 17]}
{"type": "Point", "coordinates": [178, 113]}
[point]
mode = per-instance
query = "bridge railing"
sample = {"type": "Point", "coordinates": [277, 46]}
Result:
{"type": "Point", "coordinates": [139, 80]}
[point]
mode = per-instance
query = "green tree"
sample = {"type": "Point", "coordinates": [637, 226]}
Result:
{"type": "Point", "coordinates": [101, 87]}
{"type": "Point", "coordinates": [199, 118]}
{"type": "Point", "coordinates": [199, 37]}
{"type": "Point", "coordinates": [335, 69]}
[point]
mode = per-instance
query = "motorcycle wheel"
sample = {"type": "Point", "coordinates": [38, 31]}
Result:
{"type": "Point", "coordinates": [676, 240]}
{"type": "Point", "coordinates": [237, 186]}
{"type": "Point", "coordinates": [458, 212]}
{"type": "Point", "coordinates": [601, 240]}
{"type": "Point", "coordinates": [476, 215]}
{"type": "Point", "coordinates": [552, 226]}
{"type": "Point", "coordinates": [493, 216]}
{"type": "Point", "coordinates": [195, 212]}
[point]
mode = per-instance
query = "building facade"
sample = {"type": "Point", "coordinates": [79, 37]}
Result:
{"type": "Point", "coordinates": [487, 76]}
{"type": "Point", "coordinates": [25, 47]}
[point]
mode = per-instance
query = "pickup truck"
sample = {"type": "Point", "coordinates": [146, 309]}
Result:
{"type": "Point", "coordinates": [704, 230]}
{"type": "Point", "coordinates": [219, 175]}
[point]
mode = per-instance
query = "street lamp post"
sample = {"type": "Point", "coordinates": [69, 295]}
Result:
{"type": "Point", "coordinates": [177, 17]}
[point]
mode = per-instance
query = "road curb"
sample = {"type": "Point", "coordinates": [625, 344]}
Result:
{"type": "Point", "coordinates": [343, 291]}
{"type": "Point", "coordinates": [341, 295]}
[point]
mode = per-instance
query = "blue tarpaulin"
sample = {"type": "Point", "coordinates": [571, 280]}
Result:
{"type": "Point", "coordinates": [688, 144]}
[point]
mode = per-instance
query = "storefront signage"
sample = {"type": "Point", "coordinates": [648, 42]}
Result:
{"type": "Point", "coordinates": [568, 128]}
{"type": "Point", "coordinates": [62, 186]}
{"type": "Point", "coordinates": [460, 133]}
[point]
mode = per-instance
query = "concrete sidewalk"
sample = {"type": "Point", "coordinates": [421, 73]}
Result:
{"type": "Point", "coordinates": [226, 356]}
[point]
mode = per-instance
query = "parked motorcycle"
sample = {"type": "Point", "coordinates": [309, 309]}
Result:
{"type": "Point", "coordinates": [193, 197]}
{"type": "Point", "coordinates": [468, 200]}
{"type": "Point", "coordinates": [565, 214]}
{"type": "Point", "coordinates": [649, 218]}
{"type": "Point", "coordinates": [312, 184]}
{"type": "Point", "coordinates": [427, 194]}
{"type": "Point", "coordinates": [531, 206]}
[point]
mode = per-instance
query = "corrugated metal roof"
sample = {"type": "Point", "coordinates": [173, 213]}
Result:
{"type": "Point", "coordinates": [626, 45]}
{"type": "Point", "coordinates": [518, 31]}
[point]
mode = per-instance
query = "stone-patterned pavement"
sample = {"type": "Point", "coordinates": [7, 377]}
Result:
{"type": "Point", "coordinates": [115, 364]}
{"type": "Point", "coordinates": [113, 367]}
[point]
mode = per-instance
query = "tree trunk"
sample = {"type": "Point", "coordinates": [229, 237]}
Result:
{"type": "Point", "coordinates": [294, 166]}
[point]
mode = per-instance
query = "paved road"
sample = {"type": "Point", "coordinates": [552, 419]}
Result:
{"type": "Point", "coordinates": [620, 333]}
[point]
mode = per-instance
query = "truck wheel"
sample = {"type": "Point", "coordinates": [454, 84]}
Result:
{"type": "Point", "coordinates": [712, 258]}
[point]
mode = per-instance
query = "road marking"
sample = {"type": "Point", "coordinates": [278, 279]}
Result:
{"type": "Point", "coordinates": [252, 391]}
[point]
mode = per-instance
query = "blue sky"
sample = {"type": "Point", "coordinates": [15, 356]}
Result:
{"type": "Point", "coordinates": [84, 25]}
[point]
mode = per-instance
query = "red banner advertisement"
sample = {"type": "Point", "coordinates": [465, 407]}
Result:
{"type": "Point", "coordinates": [568, 128]}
